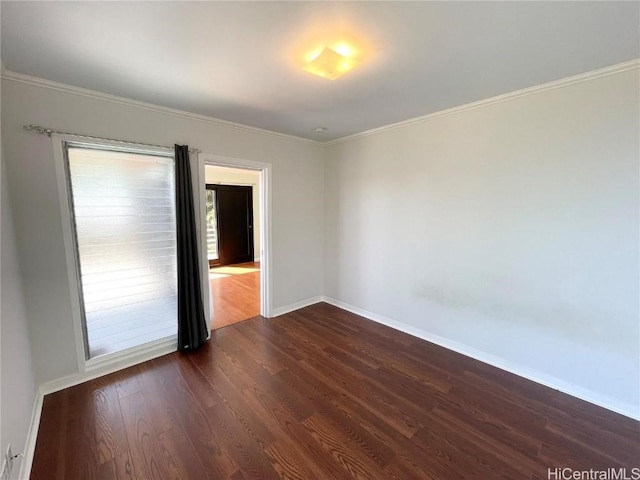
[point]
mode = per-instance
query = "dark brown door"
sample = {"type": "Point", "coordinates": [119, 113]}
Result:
{"type": "Point", "coordinates": [234, 209]}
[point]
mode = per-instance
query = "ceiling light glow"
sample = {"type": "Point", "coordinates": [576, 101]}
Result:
{"type": "Point", "coordinates": [311, 57]}
{"type": "Point", "coordinates": [344, 50]}
{"type": "Point", "coordinates": [331, 64]}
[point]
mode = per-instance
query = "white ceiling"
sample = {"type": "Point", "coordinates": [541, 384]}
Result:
{"type": "Point", "coordinates": [240, 61]}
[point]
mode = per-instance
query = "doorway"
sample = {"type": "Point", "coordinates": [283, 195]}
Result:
{"type": "Point", "coordinates": [230, 222]}
{"type": "Point", "coordinates": [233, 243]}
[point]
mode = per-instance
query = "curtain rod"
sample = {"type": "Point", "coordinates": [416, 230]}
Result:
{"type": "Point", "coordinates": [47, 131]}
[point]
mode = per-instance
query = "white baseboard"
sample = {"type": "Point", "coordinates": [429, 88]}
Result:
{"type": "Point", "coordinates": [99, 367]}
{"type": "Point", "coordinates": [32, 436]}
{"type": "Point", "coordinates": [615, 405]}
{"type": "Point", "coordinates": [276, 312]}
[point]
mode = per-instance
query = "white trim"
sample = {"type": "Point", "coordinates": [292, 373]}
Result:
{"type": "Point", "coordinates": [563, 82]}
{"type": "Point", "coordinates": [264, 169]}
{"type": "Point", "coordinates": [70, 254]}
{"type": "Point", "coordinates": [137, 354]}
{"type": "Point", "coordinates": [588, 395]}
{"type": "Point", "coordinates": [132, 357]}
{"type": "Point", "coordinates": [233, 162]}
{"type": "Point", "coordinates": [236, 184]}
{"type": "Point", "coordinates": [83, 92]}
{"type": "Point", "coordinates": [201, 228]}
{"type": "Point", "coordinates": [266, 273]}
{"type": "Point", "coordinates": [296, 306]}
{"type": "Point", "coordinates": [32, 436]}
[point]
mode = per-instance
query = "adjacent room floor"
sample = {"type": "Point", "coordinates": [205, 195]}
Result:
{"type": "Point", "coordinates": [236, 293]}
{"type": "Point", "coordinates": [322, 394]}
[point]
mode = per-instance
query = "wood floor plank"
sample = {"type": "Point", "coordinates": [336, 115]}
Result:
{"type": "Point", "coordinates": [193, 417]}
{"type": "Point", "coordinates": [373, 447]}
{"type": "Point", "coordinates": [107, 471]}
{"type": "Point", "coordinates": [322, 394]}
{"type": "Point", "coordinates": [81, 457]}
{"type": "Point", "coordinates": [232, 394]}
{"type": "Point", "coordinates": [260, 352]}
{"type": "Point", "coordinates": [351, 459]}
{"type": "Point", "coordinates": [518, 460]}
{"type": "Point", "coordinates": [162, 409]}
{"type": "Point", "coordinates": [179, 453]}
{"type": "Point", "coordinates": [294, 432]}
{"type": "Point", "coordinates": [213, 361]}
{"type": "Point", "coordinates": [405, 415]}
{"type": "Point", "coordinates": [267, 331]}
{"type": "Point", "coordinates": [111, 435]}
{"type": "Point", "coordinates": [408, 456]}
{"type": "Point", "coordinates": [197, 383]}
{"type": "Point", "coordinates": [461, 455]}
{"type": "Point", "coordinates": [473, 417]}
{"type": "Point", "coordinates": [144, 443]}
{"type": "Point", "coordinates": [124, 467]}
{"type": "Point", "coordinates": [289, 464]}
{"type": "Point", "coordinates": [626, 452]}
{"type": "Point", "coordinates": [245, 451]}
{"type": "Point", "coordinates": [50, 443]}
{"type": "Point", "coordinates": [125, 381]}
{"type": "Point", "coordinates": [361, 324]}
{"type": "Point", "coordinates": [308, 339]}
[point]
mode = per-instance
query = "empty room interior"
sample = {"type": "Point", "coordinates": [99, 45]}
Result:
{"type": "Point", "coordinates": [320, 240]}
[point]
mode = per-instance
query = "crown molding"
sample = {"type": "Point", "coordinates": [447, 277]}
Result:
{"type": "Point", "coordinates": [83, 92]}
{"type": "Point", "coordinates": [563, 82]}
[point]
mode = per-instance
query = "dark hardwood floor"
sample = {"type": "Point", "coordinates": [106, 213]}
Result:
{"type": "Point", "coordinates": [322, 394]}
{"type": "Point", "coordinates": [236, 293]}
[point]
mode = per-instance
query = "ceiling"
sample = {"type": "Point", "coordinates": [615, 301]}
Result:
{"type": "Point", "coordinates": [240, 61]}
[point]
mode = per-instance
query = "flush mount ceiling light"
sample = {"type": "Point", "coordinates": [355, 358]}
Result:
{"type": "Point", "coordinates": [331, 64]}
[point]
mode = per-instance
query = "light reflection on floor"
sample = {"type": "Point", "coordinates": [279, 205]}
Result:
{"type": "Point", "coordinates": [231, 271]}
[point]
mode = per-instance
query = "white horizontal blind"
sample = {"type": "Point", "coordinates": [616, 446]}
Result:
{"type": "Point", "coordinates": [123, 205]}
{"type": "Point", "coordinates": [212, 229]}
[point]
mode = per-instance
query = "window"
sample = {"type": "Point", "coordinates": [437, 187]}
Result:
{"type": "Point", "coordinates": [122, 205]}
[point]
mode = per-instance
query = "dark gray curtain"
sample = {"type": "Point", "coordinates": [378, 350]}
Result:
{"type": "Point", "coordinates": [192, 327]}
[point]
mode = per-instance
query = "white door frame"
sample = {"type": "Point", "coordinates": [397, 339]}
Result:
{"type": "Point", "coordinates": [264, 170]}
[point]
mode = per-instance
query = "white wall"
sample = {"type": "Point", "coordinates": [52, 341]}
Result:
{"type": "Point", "coordinates": [297, 199]}
{"type": "Point", "coordinates": [17, 384]}
{"type": "Point", "coordinates": [226, 176]}
{"type": "Point", "coordinates": [509, 229]}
